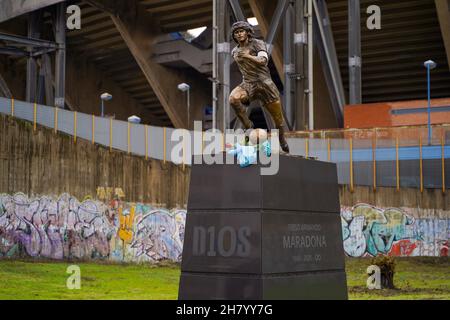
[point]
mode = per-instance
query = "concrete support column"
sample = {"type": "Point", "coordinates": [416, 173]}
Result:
{"type": "Point", "coordinates": [289, 69]}
{"type": "Point", "coordinates": [354, 51]}
{"type": "Point", "coordinates": [224, 62]}
{"type": "Point", "coordinates": [34, 24]}
{"type": "Point", "coordinates": [300, 61]}
{"type": "Point", "coordinates": [60, 60]}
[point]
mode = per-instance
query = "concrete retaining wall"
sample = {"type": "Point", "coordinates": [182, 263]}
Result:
{"type": "Point", "coordinates": [45, 163]}
{"type": "Point", "coordinates": [62, 200]}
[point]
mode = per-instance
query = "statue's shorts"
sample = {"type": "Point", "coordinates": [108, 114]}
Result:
{"type": "Point", "coordinates": [265, 91]}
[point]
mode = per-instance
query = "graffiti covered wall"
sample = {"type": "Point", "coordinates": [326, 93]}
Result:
{"type": "Point", "coordinates": [65, 228]}
{"type": "Point", "coordinates": [370, 231]}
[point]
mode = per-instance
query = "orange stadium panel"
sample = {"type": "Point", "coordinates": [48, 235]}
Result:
{"type": "Point", "coordinates": [394, 114]}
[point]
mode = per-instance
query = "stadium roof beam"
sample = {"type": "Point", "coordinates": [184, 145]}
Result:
{"type": "Point", "coordinates": [100, 6]}
{"type": "Point", "coordinates": [93, 29]}
{"type": "Point", "coordinates": [156, 7]}
{"type": "Point", "coordinates": [278, 15]}
{"type": "Point", "coordinates": [14, 52]}
{"type": "Point", "coordinates": [89, 83]}
{"type": "Point", "coordinates": [138, 31]}
{"type": "Point", "coordinates": [262, 10]}
{"type": "Point", "coordinates": [443, 12]}
{"type": "Point", "coordinates": [330, 62]}
{"type": "Point", "coordinates": [4, 89]}
{"type": "Point", "coordinates": [25, 41]}
{"type": "Point", "coordinates": [14, 8]}
{"type": "Point", "coordinates": [237, 10]}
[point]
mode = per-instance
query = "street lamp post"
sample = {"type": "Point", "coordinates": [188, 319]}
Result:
{"type": "Point", "coordinates": [184, 87]}
{"type": "Point", "coordinates": [105, 97]}
{"type": "Point", "coordinates": [429, 64]}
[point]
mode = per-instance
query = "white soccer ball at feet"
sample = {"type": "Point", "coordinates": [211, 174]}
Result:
{"type": "Point", "coordinates": [258, 136]}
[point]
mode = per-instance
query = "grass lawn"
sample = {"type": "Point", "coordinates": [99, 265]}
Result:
{"type": "Point", "coordinates": [415, 278]}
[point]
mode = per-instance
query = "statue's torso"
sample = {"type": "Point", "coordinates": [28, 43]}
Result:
{"type": "Point", "coordinates": [251, 71]}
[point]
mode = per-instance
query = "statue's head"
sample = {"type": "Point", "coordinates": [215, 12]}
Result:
{"type": "Point", "coordinates": [241, 30]}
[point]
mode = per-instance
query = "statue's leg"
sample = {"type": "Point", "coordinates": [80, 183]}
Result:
{"type": "Point", "coordinates": [276, 111]}
{"type": "Point", "coordinates": [237, 97]}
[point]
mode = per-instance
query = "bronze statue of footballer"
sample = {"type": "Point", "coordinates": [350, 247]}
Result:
{"type": "Point", "coordinates": [252, 58]}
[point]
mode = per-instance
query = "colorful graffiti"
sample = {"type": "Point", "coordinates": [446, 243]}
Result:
{"type": "Point", "coordinates": [65, 228]}
{"type": "Point", "coordinates": [370, 231]}
{"type": "Point", "coordinates": [159, 236]}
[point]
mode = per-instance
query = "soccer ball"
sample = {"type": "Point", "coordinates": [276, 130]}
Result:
{"type": "Point", "coordinates": [258, 136]}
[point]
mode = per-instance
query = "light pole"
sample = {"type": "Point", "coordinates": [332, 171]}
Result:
{"type": "Point", "coordinates": [429, 64]}
{"type": "Point", "coordinates": [184, 87]}
{"type": "Point", "coordinates": [105, 97]}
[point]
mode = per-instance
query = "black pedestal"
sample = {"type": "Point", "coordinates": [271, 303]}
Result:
{"type": "Point", "coordinates": [255, 237]}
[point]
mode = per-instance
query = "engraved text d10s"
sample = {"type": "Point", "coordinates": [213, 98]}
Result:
{"type": "Point", "coordinates": [223, 242]}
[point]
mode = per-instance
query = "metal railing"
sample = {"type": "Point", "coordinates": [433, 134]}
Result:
{"type": "Point", "coordinates": [381, 157]}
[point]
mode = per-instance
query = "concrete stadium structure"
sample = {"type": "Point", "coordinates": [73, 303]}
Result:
{"type": "Point", "coordinates": [135, 51]}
